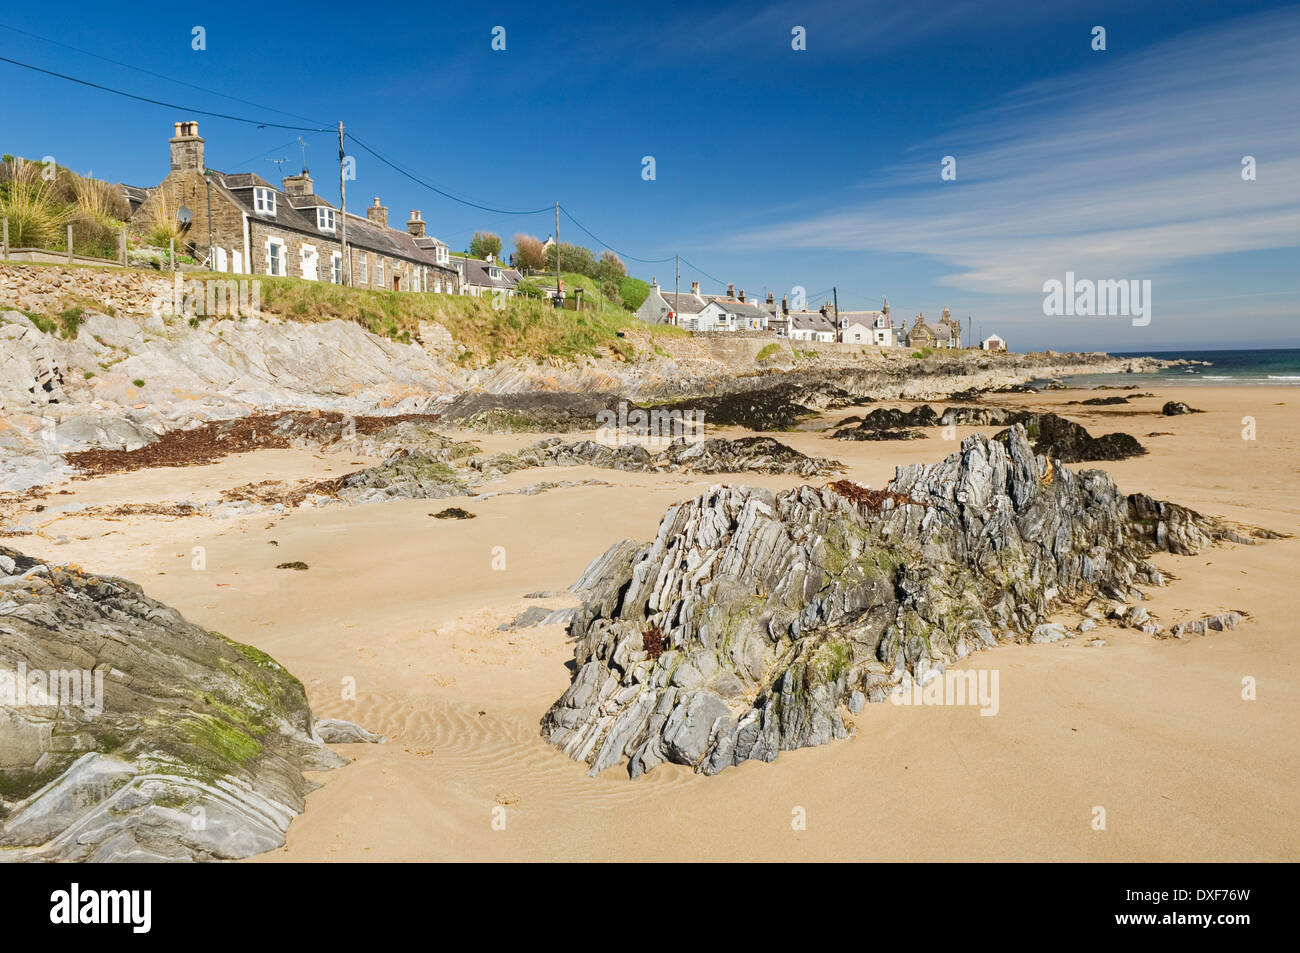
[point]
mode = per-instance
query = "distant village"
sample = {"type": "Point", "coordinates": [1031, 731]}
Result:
{"type": "Point", "coordinates": [240, 223]}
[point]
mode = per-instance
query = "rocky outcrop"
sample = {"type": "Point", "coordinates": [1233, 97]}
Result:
{"type": "Point", "coordinates": [1175, 408]}
{"type": "Point", "coordinates": [1069, 442]}
{"type": "Point", "coordinates": [433, 474]}
{"type": "Point", "coordinates": [754, 619]}
{"type": "Point", "coordinates": [128, 733]}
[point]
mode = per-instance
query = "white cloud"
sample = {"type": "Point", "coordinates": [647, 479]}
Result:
{"type": "Point", "coordinates": [1129, 169]}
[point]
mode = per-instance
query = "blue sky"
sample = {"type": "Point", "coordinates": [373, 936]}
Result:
{"type": "Point", "coordinates": [775, 168]}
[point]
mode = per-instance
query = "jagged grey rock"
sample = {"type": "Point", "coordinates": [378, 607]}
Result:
{"type": "Point", "coordinates": [194, 749]}
{"type": "Point", "coordinates": [751, 620]}
{"type": "Point", "coordinates": [1206, 624]}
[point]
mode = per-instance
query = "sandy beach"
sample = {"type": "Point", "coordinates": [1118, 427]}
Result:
{"type": "Point", "coordinates": [407, 608]}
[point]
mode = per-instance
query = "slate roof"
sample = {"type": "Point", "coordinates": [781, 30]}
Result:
{"type": "Point", "coordinates": [683, 302]}
{"type": "Point", "coordinates": [810, 321]}
{"type": "Point", "coordinates": [475, 272]}
{"type": "Point", "coordinates": [298, 213]}
{"type": "Point", "coordinates": [743, 308]}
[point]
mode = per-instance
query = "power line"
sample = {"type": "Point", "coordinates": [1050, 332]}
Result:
{"type": "Point", "coordinates": [433, 188]}
{"type": "Point", "coordinates": [159, 102]}
{"type": "Point", "coordinates": [644, 261]}
{"type": "Point", "coordinates": [696, 267]}
{"type": "Point", "coordinates": [141, 69]}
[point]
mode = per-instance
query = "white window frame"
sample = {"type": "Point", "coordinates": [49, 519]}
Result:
{"type": "Point", "coordinates": [264, 200]}
{"type": "Point", "coordinates": [271, 259]}
{"type": "Point", "coordinates": [336, 268]}
{"type": "Point", "coordinates": [379, 271]}
{"type": "Point", "coordinates": [365, 268]}
{"type": "Point", "coordinates": [326, 220]}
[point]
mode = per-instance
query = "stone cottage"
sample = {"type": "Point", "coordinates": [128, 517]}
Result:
{"type": "Point", "coordinates": [258, 229]}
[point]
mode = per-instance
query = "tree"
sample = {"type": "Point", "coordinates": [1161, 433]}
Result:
{"type": "Point", "coordinates": [610, 268]}
{"type": "Point", "coordinates": [529, 253]}
{"type": "Point", "coordinates": [573, 259]}
{"type": "Point", "coordinates": [484, 244]}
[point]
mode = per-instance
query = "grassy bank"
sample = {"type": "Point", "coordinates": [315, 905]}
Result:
{"type": "Point", "coordinates": [523, 327]}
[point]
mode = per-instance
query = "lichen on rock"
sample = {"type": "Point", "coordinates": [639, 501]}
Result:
{"type": "Point", "coordinates": [778, 611]}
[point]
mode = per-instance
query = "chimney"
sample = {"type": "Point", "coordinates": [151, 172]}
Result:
{"type": "Point", "coordinates": [785, 305]}
{"type": "Point", "coordinates": [742, 294]}
{"type": "Point", "coordinates": [298, 184]}
{"type": "Point", "coordinates": [187, 148]}
{"type": "Point", "coordinates": [771, 298]}
{"type": "Point", "coordinates": [378, 214]}
{"type": "Point", "coordinates": [415, 227]}
{"type": "Point", "coordinates": [654, 282]}
{"type": "Point", "coordinates": [695, 288]}
{"type": "Point", "coordinates": [731, 291]}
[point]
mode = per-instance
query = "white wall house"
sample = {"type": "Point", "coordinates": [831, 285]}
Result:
{"type": "Point", "coordinates": [993, 343]}
{"type": "Point", "coordinates": [811, 326]}
{"type": "Point", "coordinates": [724, 315]}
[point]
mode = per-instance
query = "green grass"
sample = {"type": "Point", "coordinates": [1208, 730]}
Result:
{"type": "Point", "coordinates": [923, 353]}
{"type": "Point", "coordinates": [485, 334]}
{"type": "Point", "coordinates": [766, 351]}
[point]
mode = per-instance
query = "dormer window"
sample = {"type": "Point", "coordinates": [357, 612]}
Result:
{"type": "Point", "coordinates": [264, 201]}
{"type": "Point", "coordinates": [494, 272]}
{"type": "Point", "coordinates": [442, 255]}
{"type": "Point", "coordinates": [325, 219]}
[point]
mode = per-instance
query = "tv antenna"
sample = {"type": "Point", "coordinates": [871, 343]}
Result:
{"type": "Point", "coordinates": [278, 163]}
{"type": "Point", "coordinates": [303, 142]}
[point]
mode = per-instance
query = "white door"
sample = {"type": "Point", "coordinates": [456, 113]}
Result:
{"type": "Point", "coordinates": [220, 255]}
{"type": "Point", "coordinates": [237, 260]}
{"type": "Point", "coordinates": [309, 263]}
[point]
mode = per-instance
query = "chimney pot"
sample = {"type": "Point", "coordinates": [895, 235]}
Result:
{"type": "Point", "coordinates": [378, 214]}
{"type": "Point", "coordinates": [695, 288]}
{"type": "Point", "coordinates": [731, 291]}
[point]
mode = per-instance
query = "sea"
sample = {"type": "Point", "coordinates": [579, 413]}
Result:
{"type": "Point", "coordinates": [1275, 367]}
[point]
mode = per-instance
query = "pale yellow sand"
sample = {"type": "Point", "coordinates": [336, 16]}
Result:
{"type": "Point", "coordinates": [1154, 732]}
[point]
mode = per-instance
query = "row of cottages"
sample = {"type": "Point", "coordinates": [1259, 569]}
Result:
{"type": "Point", "coordinates": [694, 311]}
{"type": "Point", "coordinates": [258, 229]}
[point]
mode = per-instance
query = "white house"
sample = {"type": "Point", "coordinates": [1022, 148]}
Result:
{"type": "Point", "coordinates": [993, 343]}
{"type": "Point", "coordinates": [669, 307]}
{"type": "Point", "coordinates": [722, 314]}
{"type": "Point", "coordinates": [811, 326]}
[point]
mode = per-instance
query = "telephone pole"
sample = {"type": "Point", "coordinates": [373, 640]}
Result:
{"type": "Point", "coordinates": [343, 212]}
{"type": "Point", "coordinates": [558, 302]}
{"type": "Point", "coordinates": [677, 285]}
{"type": "Point", "coordinates": [835, 296]}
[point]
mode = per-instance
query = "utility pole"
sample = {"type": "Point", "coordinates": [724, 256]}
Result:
{"type": "Point", "coordinates": [558, 290]}
{"type": "Point", "coordinates": [343, 212]}
{"type": "Point", "coordinates": [835, 296]}
{"type": "Point", "coordinates": [677, 285]}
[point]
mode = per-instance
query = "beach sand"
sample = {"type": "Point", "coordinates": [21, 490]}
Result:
{"type": "Point", "coordinates": [1155, 732]}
